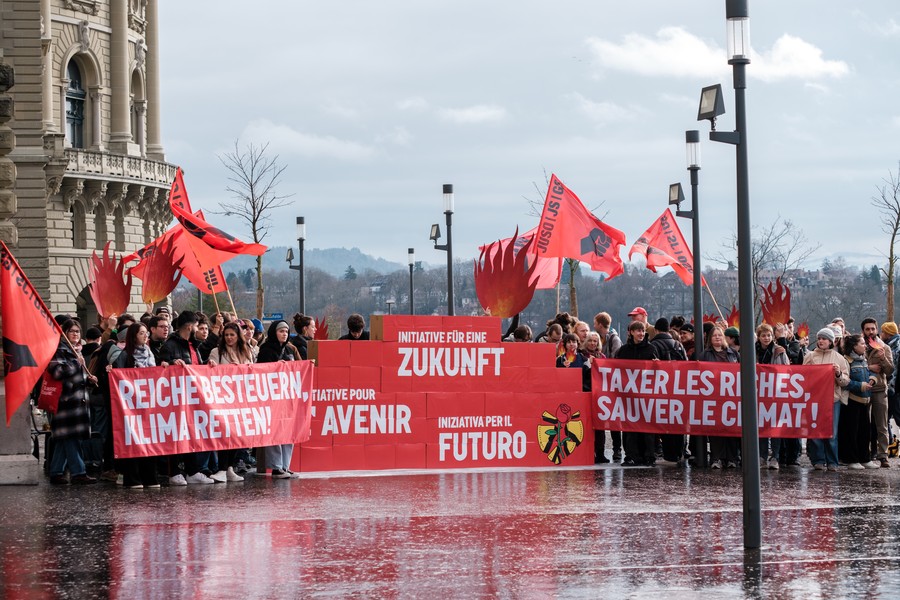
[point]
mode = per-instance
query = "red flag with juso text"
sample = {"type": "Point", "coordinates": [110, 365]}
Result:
{"type": "Point", "coordinates": [30, 334]}
{"type": "Point", "coordinates": [569, 230]}
{"type": "Point", "coordinates": [663, 245]}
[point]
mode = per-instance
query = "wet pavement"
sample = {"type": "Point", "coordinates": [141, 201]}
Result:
{"type": "Point", "coordinates": [578, 533]}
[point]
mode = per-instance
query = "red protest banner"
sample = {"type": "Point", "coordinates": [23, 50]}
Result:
{"type": "Point", "coordinates": [175, 410]}
{"type": "Point", "coordinates": [703, 398]}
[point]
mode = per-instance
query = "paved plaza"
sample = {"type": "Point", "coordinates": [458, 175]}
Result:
{"type": "Point", "coordinates": [567, 533]}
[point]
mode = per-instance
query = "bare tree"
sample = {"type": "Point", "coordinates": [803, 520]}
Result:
{"type": "Point", "coordinates": [776, 249]}
{"type": "Point", "coordinates": [253, 177]}
{"type": "Point", "coordinates": [888, 204]}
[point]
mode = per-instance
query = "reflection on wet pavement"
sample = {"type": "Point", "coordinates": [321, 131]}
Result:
{"type": "Point", "coordinates": [565, 533]}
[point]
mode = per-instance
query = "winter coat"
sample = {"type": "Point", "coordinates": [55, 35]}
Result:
{"type": "Point", "coordinates": [667, 348]}
{"type": "Point", "coordinates": [73, 418]}
{"type": "Point", "coordinates": [612, 344]}
{"type": "Point", "coordinates": [859, 374]}
{"type": "Point", "coordinates": [273, 351]}
{"type": "Point", "coordinates": [881, 356]}
{"type": "Point", "coordinates": [832, 357]}
{"type": "Point", "coordinates": [642, 351]}
{"type": "Point", "coordinates": [727, 355]}
{"type": "Point", "coordinates": [768, 356]}
{"type": "Point", "coordinates": [176, 347]}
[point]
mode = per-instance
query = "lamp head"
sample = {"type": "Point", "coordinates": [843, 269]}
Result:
{"type": "Point", "coordinates": [737, 16]}
{"type": "Point", "coordinates": [692, 142]}
{"type": "Point", "coordinates": [290, 255]}
{"type": "Point", "coordinates": [448, 197]}
{"type": "Point", "coordinates": [676, 194]}
{"type": "Point", "coordinates": [711, 104]}
{"type": "Point", "coordinates": [412, 256]}
{"type": "Point", "coordinates": [301, 228]}
{"type": "Point", "coordinates": [435, 233]}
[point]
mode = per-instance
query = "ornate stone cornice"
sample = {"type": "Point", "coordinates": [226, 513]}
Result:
{"type": "Point", "coordinates": [72, 190]}
{"type": "Point", "coordinates": [91, 7]}
{"type": "Point", "coordinates": [117, 196]}
{"type": "Point", "coordinates": [95, 194]}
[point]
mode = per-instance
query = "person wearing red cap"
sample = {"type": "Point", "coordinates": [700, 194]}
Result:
{"type": "Point", "coordinates": [639, 313]}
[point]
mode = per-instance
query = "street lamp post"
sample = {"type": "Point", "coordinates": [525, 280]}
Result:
{"type": "Point", "coordinates": [390, 305]}
{"type": "Point", "coordinates": [301, 237]}
{"type": "Point", "coordinates": [412, 264]}
{"type": "Point", "coordinates": [737, 16]}
{"type": "Point", "coordinates": [676, 196]}
{"type": "Point", "coordinates": [448, 247]}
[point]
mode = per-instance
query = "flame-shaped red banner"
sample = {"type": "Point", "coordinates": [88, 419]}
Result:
{"type": "Point", "coordinates": [321, 329]}
{"type": "Point", "coordinates": [502, 279]}
{"type": "Point", "coordinates": [803, 330]}
{"type": "Point", "coordinates": [161, 273]}
{"type": "Point", "coordinates": [110, 289]}
{"type": "Point", "coordinates": [734, 317]}
{"type": "Point", "coordinates": [775, 303]}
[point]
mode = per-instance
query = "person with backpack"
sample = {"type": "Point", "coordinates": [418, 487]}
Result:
{"type": "Point", "coordinates": [668, 348]}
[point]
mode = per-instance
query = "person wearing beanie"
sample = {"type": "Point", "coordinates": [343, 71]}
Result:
{"type": "Point", "coordinates": [687, 340]}
{"type": "Point", "coordinates": [824, 453]}
{"type": "Point", "coordinates": [891, 336]}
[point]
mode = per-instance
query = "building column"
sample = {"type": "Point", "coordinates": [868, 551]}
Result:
{"type": "Point", "coordinates": [120, 135]}
{"type": "Point", "coordinates": [96, 115]}
{"type": "Point", "coordinates": [152, 93]}
{"type": "Point", "coordinates": [47, 67]}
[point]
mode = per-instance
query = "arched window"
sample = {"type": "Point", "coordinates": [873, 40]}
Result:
{"type": "Point", "coordinates": [75, 99]}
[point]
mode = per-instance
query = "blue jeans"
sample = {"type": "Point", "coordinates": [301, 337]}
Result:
{"type": "Point", "coordinates": [279, 457]}
{"type": "Point", "coordinates": [821, 452]}
{"type": "Point", "coordinates": [67, 451]}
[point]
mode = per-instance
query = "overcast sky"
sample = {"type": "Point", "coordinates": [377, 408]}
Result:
{"type": "Point", "coordinates": [374, 105]}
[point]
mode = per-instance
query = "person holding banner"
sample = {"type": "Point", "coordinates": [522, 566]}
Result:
{"type": "Point", "coordinates": [232, 350]}
{"type": "Point", "coordinates": [854, 426]}
{"type": "Point", "coordinates": [769, 353]}
{"type": "Point", "coordinates": [306, 330]}
{"type": "Point", "coordinates": [824, 453]}
{"type": "Point", "coordinates": [72, 421]}
{"type": "Point", "coordinates": [640, 448]}
{"type": "Point", "coordinates": [137, 473]}
{"type": "Point", "coordinates": [723, 450]}
{"type": "Point", "coordinates": [277, 348]}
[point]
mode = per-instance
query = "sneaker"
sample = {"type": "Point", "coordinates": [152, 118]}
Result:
{"type": "Point", "coordinates": [177, 480]}
{"type": "Point", "coordinates": [59, 480]}
{"type": "Point", "coordinates": [292, 474]}
{"type": "Point", "coordinates": [819, 467]}
{"type": "Point", "coordinates": [773, 463]}
{"type": "Point", "coordinates": [628, 463]}
{"type": "Point", "coordinates": [230, 475]}
{"type": "Point", "coordinates": [716, 464]}
{"type": "Point", "coordinates": [871, 465]}
{"type": "Point", "coordinates": [198, 477]}
{"type": "Point", "coordinates": [152, 486]}
{"type": "Point", "coordinates": [884, 463]}
{"type": "Point", "coordinates": [763, 463]}
{"type": "Point", "coordinates": [617, 455]}
{"type": "Point", "coordinates": [832, 467]}
{"type": "Point", "coordinates": [220, 476]}
{"type": "Point", "coordinates": [279, 474]}
{"type": "Point", "coordinates": [110, 476]}
{"type": "Point", "coordinates": [83, 479]}
{"type": "Point", "coordinates": [135, 487]}
{"type": "Point", "coordinates": [855, 467]}
{"type": "Point", "coordinates": [731, 465]}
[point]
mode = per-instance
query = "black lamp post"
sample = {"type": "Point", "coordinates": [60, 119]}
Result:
{"type": "Point", "coordinates": [301, 237]}
{"type": "Point", "coordinates": [711, 105]}
{"type": "Point", "coordinates": [448, 247]}
{"type": "Point", "coordinates": [390, 305]}
{"type": "Point", "coordinates": [412, 264]}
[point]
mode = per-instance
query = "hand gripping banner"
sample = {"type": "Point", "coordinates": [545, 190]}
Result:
{"type": "Point", "coordinates": [176, 410]}
{"type": "Point", "coordinates": [704, 398]}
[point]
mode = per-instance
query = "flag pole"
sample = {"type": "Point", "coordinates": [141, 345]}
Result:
{"type": "Point", "coordinates": [230, 299]}
{"type": "Point", "coordinates": [216, 301]}
{"type": "Point", "coordinates": [709, 291]}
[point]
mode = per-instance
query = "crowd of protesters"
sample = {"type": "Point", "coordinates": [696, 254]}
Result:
{"type": "Point", "coordinates": [81, 442]}
{"type": "Point", "coordinates": [865, 393]}
{"type": "Point", "coordinates": [865, 397]}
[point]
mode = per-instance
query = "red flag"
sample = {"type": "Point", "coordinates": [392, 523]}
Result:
{"type": "Point", "coordinates": [547, 271]}
{"type": "Point", "coordinates": [568, 230]}
{"type": "Point", "coordinates": [199, 263]}
{"type": "Point", "coordinates": [198, 227]}
{"type": "Point", "coordinates": [30, 334]}
{"type": "Point", "coordinates": [664, 246]}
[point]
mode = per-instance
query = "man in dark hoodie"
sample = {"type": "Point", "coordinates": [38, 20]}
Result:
{"type": "Point", "coordinates": [640, 448]}
{"type": "Point", "coordinates": [669, 349]}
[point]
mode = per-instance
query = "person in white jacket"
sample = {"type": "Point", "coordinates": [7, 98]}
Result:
{"type": "Point", "coordinates": [824, 453]}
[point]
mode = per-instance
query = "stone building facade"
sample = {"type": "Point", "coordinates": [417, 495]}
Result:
{"type": "Point", "coordinates": [81, 159]}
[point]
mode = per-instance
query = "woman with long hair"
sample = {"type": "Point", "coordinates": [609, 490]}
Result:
{"type": "Point", "coordinates": [723, 450]}
{"type": "Point", "coordinates": [138, 473]}
{"type": "Point", "coordinates": [232, 350]}
{"type": "Point", "coordinates": [853, 429]}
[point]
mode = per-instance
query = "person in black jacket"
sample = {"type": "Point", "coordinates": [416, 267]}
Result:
{"type": "Point", "coordinates": [668, 348]}
{"type": "Point", "coordinates": [306, 330]}
{"type": "Point", "coordinates": [277, 348]}
{"type": "Point", "coordinates": [640, 448]}
{"type": "Point", "coordinates": [356, 326]}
